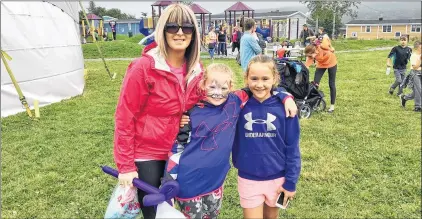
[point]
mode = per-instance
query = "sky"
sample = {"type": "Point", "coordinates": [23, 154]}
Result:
{"type": "Point", "coordinates": [215, 7]}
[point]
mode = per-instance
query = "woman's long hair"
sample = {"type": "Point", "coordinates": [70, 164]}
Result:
{"type": "Point", "coordinates": [179, 13]}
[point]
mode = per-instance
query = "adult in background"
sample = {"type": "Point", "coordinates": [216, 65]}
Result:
{"type": "Point", "coordinates": [325, 59]}
{"type": "Point", "coordinates": [319, 36]}
{"type": "Point", "coordinates": [222, 41]}
{"type": "Point", "coordinates": [321, 33]}
{"type": "Point", "coordinates": [113, 28]}
{"type": "Point", "coordinates": [212, 37]}
{"type": "Point", "coordinates": [157, 88]}
{"type": "Point", "coordinates": [249, 46]}
{"type": "Point", "coordinates": [236, 37]}
{"type": "Point", "coordinates": [305, 35]}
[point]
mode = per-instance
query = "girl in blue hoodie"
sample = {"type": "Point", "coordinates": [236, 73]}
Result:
{"type": "Point", "coordinates": [200, 158]}
{"type": "Point", "coordinates": [266, 149]}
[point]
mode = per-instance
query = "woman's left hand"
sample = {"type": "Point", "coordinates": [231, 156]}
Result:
{"type": "Point", "coordinates": [290, 107]}
{"type": "Point", "coordinates": [184, 120]}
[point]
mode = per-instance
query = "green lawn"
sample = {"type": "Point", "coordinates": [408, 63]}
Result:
{"type": "Point", "coordinates": [348, 44]}
{"type": "Point", "coordinates": [126, 47]}
{"type": "Point", "coordinates": [361, 162]}
{"type": "Point", "coordinates": [112, 49]}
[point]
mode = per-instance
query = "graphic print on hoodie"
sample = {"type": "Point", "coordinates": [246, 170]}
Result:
{"type": "Point", "coordinates": [200, 158]}
{"type": "Point", "coordinates": [267, 143]}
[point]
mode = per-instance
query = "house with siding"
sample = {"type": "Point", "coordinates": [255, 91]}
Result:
{"type": "Point", "coordinates": [287, 24]}
{"type": "Point", "coordinates": [383, 29]}
{"type": "Point", "coordinates": [124, 26]}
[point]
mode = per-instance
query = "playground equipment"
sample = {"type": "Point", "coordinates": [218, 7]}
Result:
{"type": "Point", "coordinates": [161, 5]}
{"type": "Point", "coordinates": [197, 9]}
{"type": "Point", "coordinates": [237, 7]}
{"type": "Point", "coordinates": [146, 28]}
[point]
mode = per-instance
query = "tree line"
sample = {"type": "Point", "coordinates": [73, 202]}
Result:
{"type": "Point", "coordinates": [327, 12]}
{"type": "Point", "coordinates": [112, 12]}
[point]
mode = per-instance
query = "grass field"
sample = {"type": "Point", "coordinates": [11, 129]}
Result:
{"type": "Point", "coordinates": [126, 47]}
{"type": "Point", "coordinates": [347, 44]}
{"type": "Point", "coordinates": [361, 162]}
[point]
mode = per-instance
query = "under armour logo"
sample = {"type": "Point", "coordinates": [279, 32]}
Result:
{"type": "Point", "coordinates": [270, 118]}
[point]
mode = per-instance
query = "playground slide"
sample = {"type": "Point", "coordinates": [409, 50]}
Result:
{"type": "Point", "coordinates": [146, 32]}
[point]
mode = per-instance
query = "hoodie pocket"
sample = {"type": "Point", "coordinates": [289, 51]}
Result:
{"type": "Point", "coordinates": [262, 165]}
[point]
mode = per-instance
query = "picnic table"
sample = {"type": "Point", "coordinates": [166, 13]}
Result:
{"type": "Point", "coordinates": [295, 52]}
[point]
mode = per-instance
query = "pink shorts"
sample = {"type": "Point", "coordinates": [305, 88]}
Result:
{"type": "Point", "coordinates": [253, 193]}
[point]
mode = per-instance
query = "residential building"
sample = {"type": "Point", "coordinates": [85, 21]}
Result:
{"type": "Point", "coordinates": [383, 29]}
{"type": "Point", "coordinates": [285, 24]}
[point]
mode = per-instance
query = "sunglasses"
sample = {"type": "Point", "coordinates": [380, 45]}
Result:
{"type": "Point", "coordinates": [173, 28]}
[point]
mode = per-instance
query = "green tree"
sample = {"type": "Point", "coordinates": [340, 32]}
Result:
{"type": "Point", "coordinates": [131, 16]}
{"type": "Point", "coordinates": [324, 12]}
{"type": "Point", "coordinates": [326, 21]}
{"type": "Point", "coordinates": [101, 11]}
{"type": "Point", "coordinates": [187, 2]}
{"type": "Point", "coordinates": [114, 12]}
{"type": "Point", "coordinates": [92, 7]}
{"type": "Point", "coordinates": [81, 16]}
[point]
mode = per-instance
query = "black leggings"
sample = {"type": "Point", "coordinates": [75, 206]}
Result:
{"type": "Point", "coordinates": [236, 45]}
{"type": "Point", "coordinates": [319, 72]}
{"type": "Point", "coordinates": [150, 172]}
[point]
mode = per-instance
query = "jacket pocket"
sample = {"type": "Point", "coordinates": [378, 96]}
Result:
{"type": "Point", "coordinates": [159, 131]}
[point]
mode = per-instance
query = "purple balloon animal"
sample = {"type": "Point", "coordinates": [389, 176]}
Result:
{"type": "Point", "coordinates": [155, 196]}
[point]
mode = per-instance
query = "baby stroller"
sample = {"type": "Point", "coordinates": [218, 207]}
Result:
{"type": "Point", "coordinates": [294, 77]}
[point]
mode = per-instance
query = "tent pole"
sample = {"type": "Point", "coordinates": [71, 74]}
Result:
{"type": "Point", "coordinates": [18, 89]}
{"type": "Point", "coordinates": [95, 42]}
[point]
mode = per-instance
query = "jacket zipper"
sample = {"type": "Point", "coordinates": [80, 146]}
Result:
{"type": "Point", "coordinates": [188, 86]}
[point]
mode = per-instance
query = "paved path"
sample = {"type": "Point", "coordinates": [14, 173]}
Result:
{"type": "Point", "coordinates": [233, 55]}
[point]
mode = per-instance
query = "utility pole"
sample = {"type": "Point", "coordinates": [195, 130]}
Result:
{"type": "Point", "coordinates": [334, 24]}
{"type": "Point", "coordinates": [316, 25]}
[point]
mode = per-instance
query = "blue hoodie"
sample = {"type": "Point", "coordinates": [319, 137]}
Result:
{"type": "Point", "coordinates": [266, 146]}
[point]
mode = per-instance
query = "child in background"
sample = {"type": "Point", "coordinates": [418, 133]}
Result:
{"type": "Point", "coordinates": [212, 42]}
{"type": "Point", "coordinates": [415, 77]}
{"type": "Point", "coordinates": [401, 55]}
{"type": "Point", "coordinates": [199, 160]}
{"type": "Point", "coordinates": [266, 149]}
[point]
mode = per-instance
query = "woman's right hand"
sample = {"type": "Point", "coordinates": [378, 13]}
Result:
{"type": "Point", "coordinates": [125, 179]}
{"type": "Point", "coordinates": [184, 120]}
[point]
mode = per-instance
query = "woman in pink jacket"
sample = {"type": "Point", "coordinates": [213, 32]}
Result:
{"type": "Point", "coordinates": [158, 87]}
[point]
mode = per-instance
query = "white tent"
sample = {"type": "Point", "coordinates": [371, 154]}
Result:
{"type": "Point", "coordinates": [43, 39]}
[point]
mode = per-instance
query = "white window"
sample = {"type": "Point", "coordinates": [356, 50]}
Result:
{"type": "Point", "coordinates": [397, 34]}
{"type": "Point", "coordinates": [386, 29]}
{"type": "Point", "coordinates": [416, 28]}
{"type": "Point", "coordinates": [367, 29]}
{"type": "Point", "coordinates": [354, 34]}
